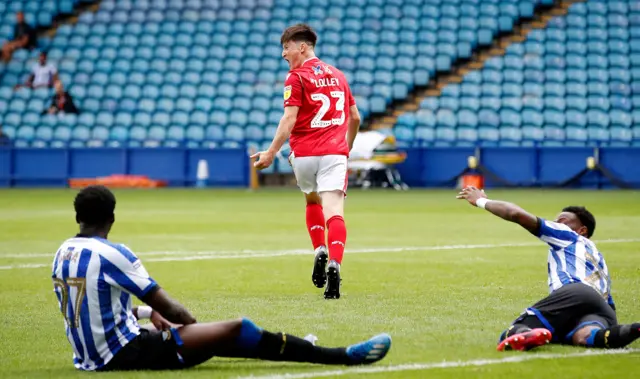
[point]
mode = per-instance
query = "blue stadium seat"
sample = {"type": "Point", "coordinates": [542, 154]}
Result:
{"type": "Point", "coordinates": [100, 133]}
{"type": "Point", "coordinates": [234, 133]}
{"type": "Point", "coordinates": [407, 120]}
{"type": "Point", "coordinates": [403, 134]}
{"type": "Point", "coordinates": [175, 133]}
{"type": "Point", "coordinates": [576, 119]}
{"type": "Point", "coordinates": [512, 103]}
{"type": "Point", "coordinates": [620, 119]}
{"type": "Point", "coordinates": [471, 103]}
{"type": "Point", "coordinates": [81, 133]}
{"type": "Point", "coordinates": [425, 117]}
{"type": "Point", "coordinates": [598, 135]}
{"type": "Point", "coordinates": [467, 118]}
{"type": "Point", "coordinates": [254, 132]}
{"type": "Point", "coordinates": [576, 136]}
{"type": "Point", "coordinates": [576, 103]}
{"type": "Point", "coordinates": [138, 133]}
{"type": "Point", "coordinates": [488, 136]}
{"type": "Point", "coordinates": [555, 103]}
{"type": "Point", "coordinates": [554, 118]}
{"type": "Point", "coordinates": [488, 118]}
{"type": "Point", "coordinates": [425, 134]}
{"type": "Point", "coordinates": [450, 103]}
{"type": "Point", "coordinates": [532, 102]}
{"type": "Point", "coordinates": [621, 136]}
{"type": "Point", "coordinates": [493, 103]}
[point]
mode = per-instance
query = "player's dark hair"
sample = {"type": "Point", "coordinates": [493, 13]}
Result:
{"type": "Point", "coordinates": [299, 33]}
{"type": "Point", "coordinates": [585, 217]}
{"type": "Point", "coordinates": [94, 206]}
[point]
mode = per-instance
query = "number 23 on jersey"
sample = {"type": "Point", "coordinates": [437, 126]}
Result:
{"type": "Point", "coordinates": [326, 101]}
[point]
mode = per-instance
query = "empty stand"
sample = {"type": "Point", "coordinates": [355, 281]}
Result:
{"type": "Point", "coordinates": [574, 83]}
{"type": "Point", "coordinates": [208, 72]}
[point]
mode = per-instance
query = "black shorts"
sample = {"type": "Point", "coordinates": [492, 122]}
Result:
{"type": "Point", "coordinates": [568, 309]}
{"type": "Point", "coordinates": [151, 350]}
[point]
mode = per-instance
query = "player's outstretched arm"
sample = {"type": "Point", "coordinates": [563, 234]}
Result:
{"type": "Point", "coordinates": [264, 159]}
{"type": "Point", "coordinates": [504, 210]}
{"type": "Point", "coordinates": [354, 125]}
{"type": "Point", "coordinates": [160, 301]}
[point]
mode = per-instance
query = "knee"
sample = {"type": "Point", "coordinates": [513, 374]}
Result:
{"type": "Point", "coordinates": [333, 204]}
{"type": "Point", "coordinates": [581, 336]}
{"type": "Point", "coordinates": [236, 325]}
{"type": "Point", "coordinates": [313, 198]}
{"type": "Point", "coordinates": [314, 201]}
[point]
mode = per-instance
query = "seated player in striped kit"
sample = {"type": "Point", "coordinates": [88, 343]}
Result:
{"type": "Point", "coordinates": [94, 279]}
{"type": "Point", "coordinates": [579, 310]}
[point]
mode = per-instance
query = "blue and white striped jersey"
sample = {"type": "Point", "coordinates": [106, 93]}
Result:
{"type": "Point", "coordinates": [94, 280]}
{"type": "Point", "coordinates": [574, 259]}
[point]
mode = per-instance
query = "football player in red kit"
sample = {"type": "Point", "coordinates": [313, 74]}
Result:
{"type": "Point", "coordinates": [322, 120]}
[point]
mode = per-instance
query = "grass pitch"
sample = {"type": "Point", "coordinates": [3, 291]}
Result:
{"type": "Point", "coordinates": [444, 279]}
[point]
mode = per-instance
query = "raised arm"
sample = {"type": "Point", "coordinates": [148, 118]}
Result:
{"type": "Point", "coordinates": [504, 210]}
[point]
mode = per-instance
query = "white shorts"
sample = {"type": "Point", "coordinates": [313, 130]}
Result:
{"type": "Point", "coordinates": [320, 174]}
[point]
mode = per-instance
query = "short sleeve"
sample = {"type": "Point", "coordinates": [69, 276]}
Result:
{"type": "Point", "coordinates": [53, 69]}
{"type": "Point", "coordinates": [555, 234]}
{"type": "Point", "coordinates": [292, 91]}
{"type": "Point", "coordinates": [122, 269]}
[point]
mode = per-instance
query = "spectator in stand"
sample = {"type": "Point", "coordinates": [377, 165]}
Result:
{"type": "Point", "coordinates": [24, 37]}
{"type": "Point", "coordinates": [43, 74]}
{"type": "Point", "coordinates": [4, 139]}
{"type": "Point", "coordinates": [61, 102]}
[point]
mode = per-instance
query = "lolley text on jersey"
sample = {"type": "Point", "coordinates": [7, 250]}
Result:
{"type": "Point", "coordinates": [325, 82]}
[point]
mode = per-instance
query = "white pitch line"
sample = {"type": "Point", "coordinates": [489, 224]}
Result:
{"type": "Point", "coordinates": [442, 365]}
{"type": "Point", "coordinates": [169, 256]}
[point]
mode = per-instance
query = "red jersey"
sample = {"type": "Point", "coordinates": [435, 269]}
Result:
{"type": "Point", "coordinates": [324, 97]}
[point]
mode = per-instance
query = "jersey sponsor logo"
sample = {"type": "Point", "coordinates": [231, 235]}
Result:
{"type": "Point", "coordinates": [317, 70]}
{"type": "Point", "coordinates": [287, 92]}
{"type": "Point", "coordinates": [327, 70]}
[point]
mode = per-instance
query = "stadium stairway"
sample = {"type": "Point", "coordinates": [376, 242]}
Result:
{"type": "Point", "coordinates": [544, 12]}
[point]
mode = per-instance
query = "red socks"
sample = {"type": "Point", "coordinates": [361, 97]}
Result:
{"type": "Point", "coordinates": [337, 238]}
{"type": "Point", "coordinates": [337, 231]}
{"type": "Point", "coordinates": [315, 225]}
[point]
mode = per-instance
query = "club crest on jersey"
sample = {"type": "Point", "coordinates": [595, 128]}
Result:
{"type": "Point", "coordinates": [317, 70]}
{"type": "Point", "coordinates": [287, 92]}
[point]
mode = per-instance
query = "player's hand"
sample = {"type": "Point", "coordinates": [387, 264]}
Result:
{"type": "Point", "coordinates": [263, 159]}
{"type": "Point", "coordinates": [471, 194]}
{"type": "Point", "coordinates": [160, 322]}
